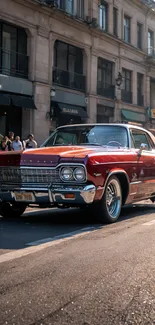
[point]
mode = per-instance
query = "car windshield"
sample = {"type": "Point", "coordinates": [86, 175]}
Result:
{"type": "Point", "coordinates": [99, 135]}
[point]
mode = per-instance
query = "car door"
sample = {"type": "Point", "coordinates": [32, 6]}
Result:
{"type": "Point", "coordinates": [145, 163]}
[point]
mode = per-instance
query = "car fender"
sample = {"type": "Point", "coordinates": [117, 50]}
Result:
{"type": "Point", "coordinates": [118, 172]}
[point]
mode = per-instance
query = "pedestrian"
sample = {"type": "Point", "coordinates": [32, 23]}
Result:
{"type": "Point", "coordinates": [16, 144]}
{"type": "Point", "coordinates": [11, 136]}
{"type": "Point", "coordinates": [10, 140]}
{"type": "Point", "coordinates": [30, 142]}
{"type": "Point", "coordinates": [4, 144]}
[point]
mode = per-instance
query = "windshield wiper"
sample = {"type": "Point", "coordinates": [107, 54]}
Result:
{"type": "Point", "coordinates": [90, 144]}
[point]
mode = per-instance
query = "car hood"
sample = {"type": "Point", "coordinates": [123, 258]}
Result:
{"type": "Point", "coordinates": [52, 156]}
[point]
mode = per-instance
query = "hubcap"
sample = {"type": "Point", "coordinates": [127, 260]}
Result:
{"type": "Point", "coordinates": [113, 198]}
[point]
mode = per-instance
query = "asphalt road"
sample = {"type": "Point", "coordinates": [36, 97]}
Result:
{"type": "Point", "coordinates": [59, 268]}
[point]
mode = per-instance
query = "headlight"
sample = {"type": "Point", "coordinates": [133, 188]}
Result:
{"type": "Point", "coordinates": [79, 174]}
{"type": "Point", "coordinates": [66, 174]}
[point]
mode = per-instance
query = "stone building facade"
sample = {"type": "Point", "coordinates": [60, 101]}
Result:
{"type": "Point", "coordinates": [74, 61]}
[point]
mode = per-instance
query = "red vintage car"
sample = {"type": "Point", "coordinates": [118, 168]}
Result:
{"type": "Point", "coordinates": [100, 167]}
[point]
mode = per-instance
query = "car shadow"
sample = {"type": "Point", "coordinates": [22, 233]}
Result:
{"type": "Point", "coordinates": [55, 224]}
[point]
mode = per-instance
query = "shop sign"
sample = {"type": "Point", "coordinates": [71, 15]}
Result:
{"type": "Point", "coordinates": [70, 110]}
{"type": "Point", "coordinates": [153, 112]}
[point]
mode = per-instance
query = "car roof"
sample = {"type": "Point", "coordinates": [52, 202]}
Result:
{"type": "Point", "coordinates": [127, 126]}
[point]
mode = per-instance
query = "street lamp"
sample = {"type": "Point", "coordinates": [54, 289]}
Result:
{"type": "Point", "coordinates": [52, 92]}
{"type": "Point", "coordinates": [119, 79]}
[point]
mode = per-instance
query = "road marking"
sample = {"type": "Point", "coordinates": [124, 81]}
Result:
{"type": "Point", "coordinates": [150, 223]}
{"type": "Point", "coordinates": [53, 242]}
{"type": "Point", "coordinates": [69, 234]}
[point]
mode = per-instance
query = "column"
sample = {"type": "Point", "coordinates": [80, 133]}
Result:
{"type": "Point", "coordinates": [93, 75]}
{"type": "Point", "coordinates": [110, 17]}
{"type": "Point", "coordinates": [92, 109]}
{"type": "Point", "coordinates": [134, 86]}
{"type": "Point", "coordinates": [148, 99]}
{"type": "Point", "coordinates": [41, 122]}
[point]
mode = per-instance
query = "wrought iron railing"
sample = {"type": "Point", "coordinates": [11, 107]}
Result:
{"type": "Point", "coordinates": [69, 79]}
{"type": "Point", "coordinates": [105, 90]}
{"type": "Point", "coordinates": [13, 63]}
{"type": "Point", "coordinates": [126, 96]}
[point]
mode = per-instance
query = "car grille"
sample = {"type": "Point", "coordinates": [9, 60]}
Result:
{"type": "Point", "coordinates": [28, 177]}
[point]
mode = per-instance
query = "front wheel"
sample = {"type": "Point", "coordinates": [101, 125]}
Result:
{"type": "Point", "coordinates": [109, 208]}
{"type": "Point", "coordinates": [8, 210]}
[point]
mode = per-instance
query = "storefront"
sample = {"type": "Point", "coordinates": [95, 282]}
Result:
{"type": "Point", "coordinates": [68, 108]}
{"type": "Point", "coordinates": [11, 109]}
{"type": "Point", "coordinates": [68, 114]}
{"type": "Point", "coordinates": [129, 116]}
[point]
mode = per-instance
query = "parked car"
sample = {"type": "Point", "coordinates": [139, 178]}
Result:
{"type": "Point", "coordinates": [100, 167]}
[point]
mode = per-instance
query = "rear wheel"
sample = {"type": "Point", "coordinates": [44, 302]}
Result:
{"type": "Point", "coordinates": [108, 209]}
{"type": "Point", "coordinates": [8, 210]}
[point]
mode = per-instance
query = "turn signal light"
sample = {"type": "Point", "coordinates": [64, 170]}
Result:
{"type": "Point", "coordinates": [69, 196]}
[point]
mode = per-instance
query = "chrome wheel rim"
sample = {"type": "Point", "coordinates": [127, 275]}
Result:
{"type": "Point", "coordinates": [113, 198]}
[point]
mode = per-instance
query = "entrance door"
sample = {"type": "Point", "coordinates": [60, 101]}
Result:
{"type": "Point", "coordinates": [14, 120]}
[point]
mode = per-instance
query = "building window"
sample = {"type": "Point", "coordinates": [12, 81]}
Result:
{"type": "Point", "coordinates": [104, 113]}
{"type": "Point", "coordinates": [140, 97]}
{"type": "Point", "coordinates": [127, 29]}
{"type": "Point", "coordinates": [115, 21]}
{"type": "Point", "coordinates": [139, 35]}
{"type": "Point", "coordinates": [150, 42]}
{"type": "Point", "coordinates": [80, 9]}
{"type": "Point", "coordinates": [13, 51]}
{"type": "Point", "coordinates": [105, 85]}
{"type": "Point", "coordinates": [126, 87]}
{"type": "Point", "coordinates": [68, 66]}
{"type": "Point", "coordinates": [103, 15]}
{"type": "Point", "coordinates": [66, 5]}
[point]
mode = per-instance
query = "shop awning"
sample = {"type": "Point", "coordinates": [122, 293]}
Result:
{"type": "Point", "coordinates": [4, 99]}
{"type": "Point", "coordinates": [23, 101]}
{"type": "Point", "coordinates": [133, 116]}
{"type": "Point", "coordinates": [72, 110]}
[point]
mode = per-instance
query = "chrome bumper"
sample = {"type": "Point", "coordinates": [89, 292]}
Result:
{"type": "Point", "coordinates": [68, 195]}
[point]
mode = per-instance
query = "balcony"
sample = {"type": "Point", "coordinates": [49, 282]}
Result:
{"type": "Point", "coordinates": [151, 53]}
{"type": "Point", "coordinates": [140, 100]}
{"type": "Point", "coordinates": [13, 64]}
{"type": "Point", "coordinates": [69, 79]}
{"type": "Point", "coordinates": [106, 90]}
{"type": "Point", "coordinates": [149, 3]}
{"type": "Point", "coordinates": [126, 96]}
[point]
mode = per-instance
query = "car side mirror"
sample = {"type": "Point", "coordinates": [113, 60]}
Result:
{"type": "Point", "coordinates": [143, 146]}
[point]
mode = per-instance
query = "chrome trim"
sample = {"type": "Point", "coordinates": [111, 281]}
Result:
{"type": "Point", "coordinates": [88, 193]}
{"type": "Point", "coordinates": [134, 183]}
{"type": "Point", "coordinates": [50, 196]}
{"type": "Point", "coordinates": [62, 196]}
{"type": "Point", "coordinates": [82, 195]}
{"type": "Point", "coordinates": [39, 189]}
